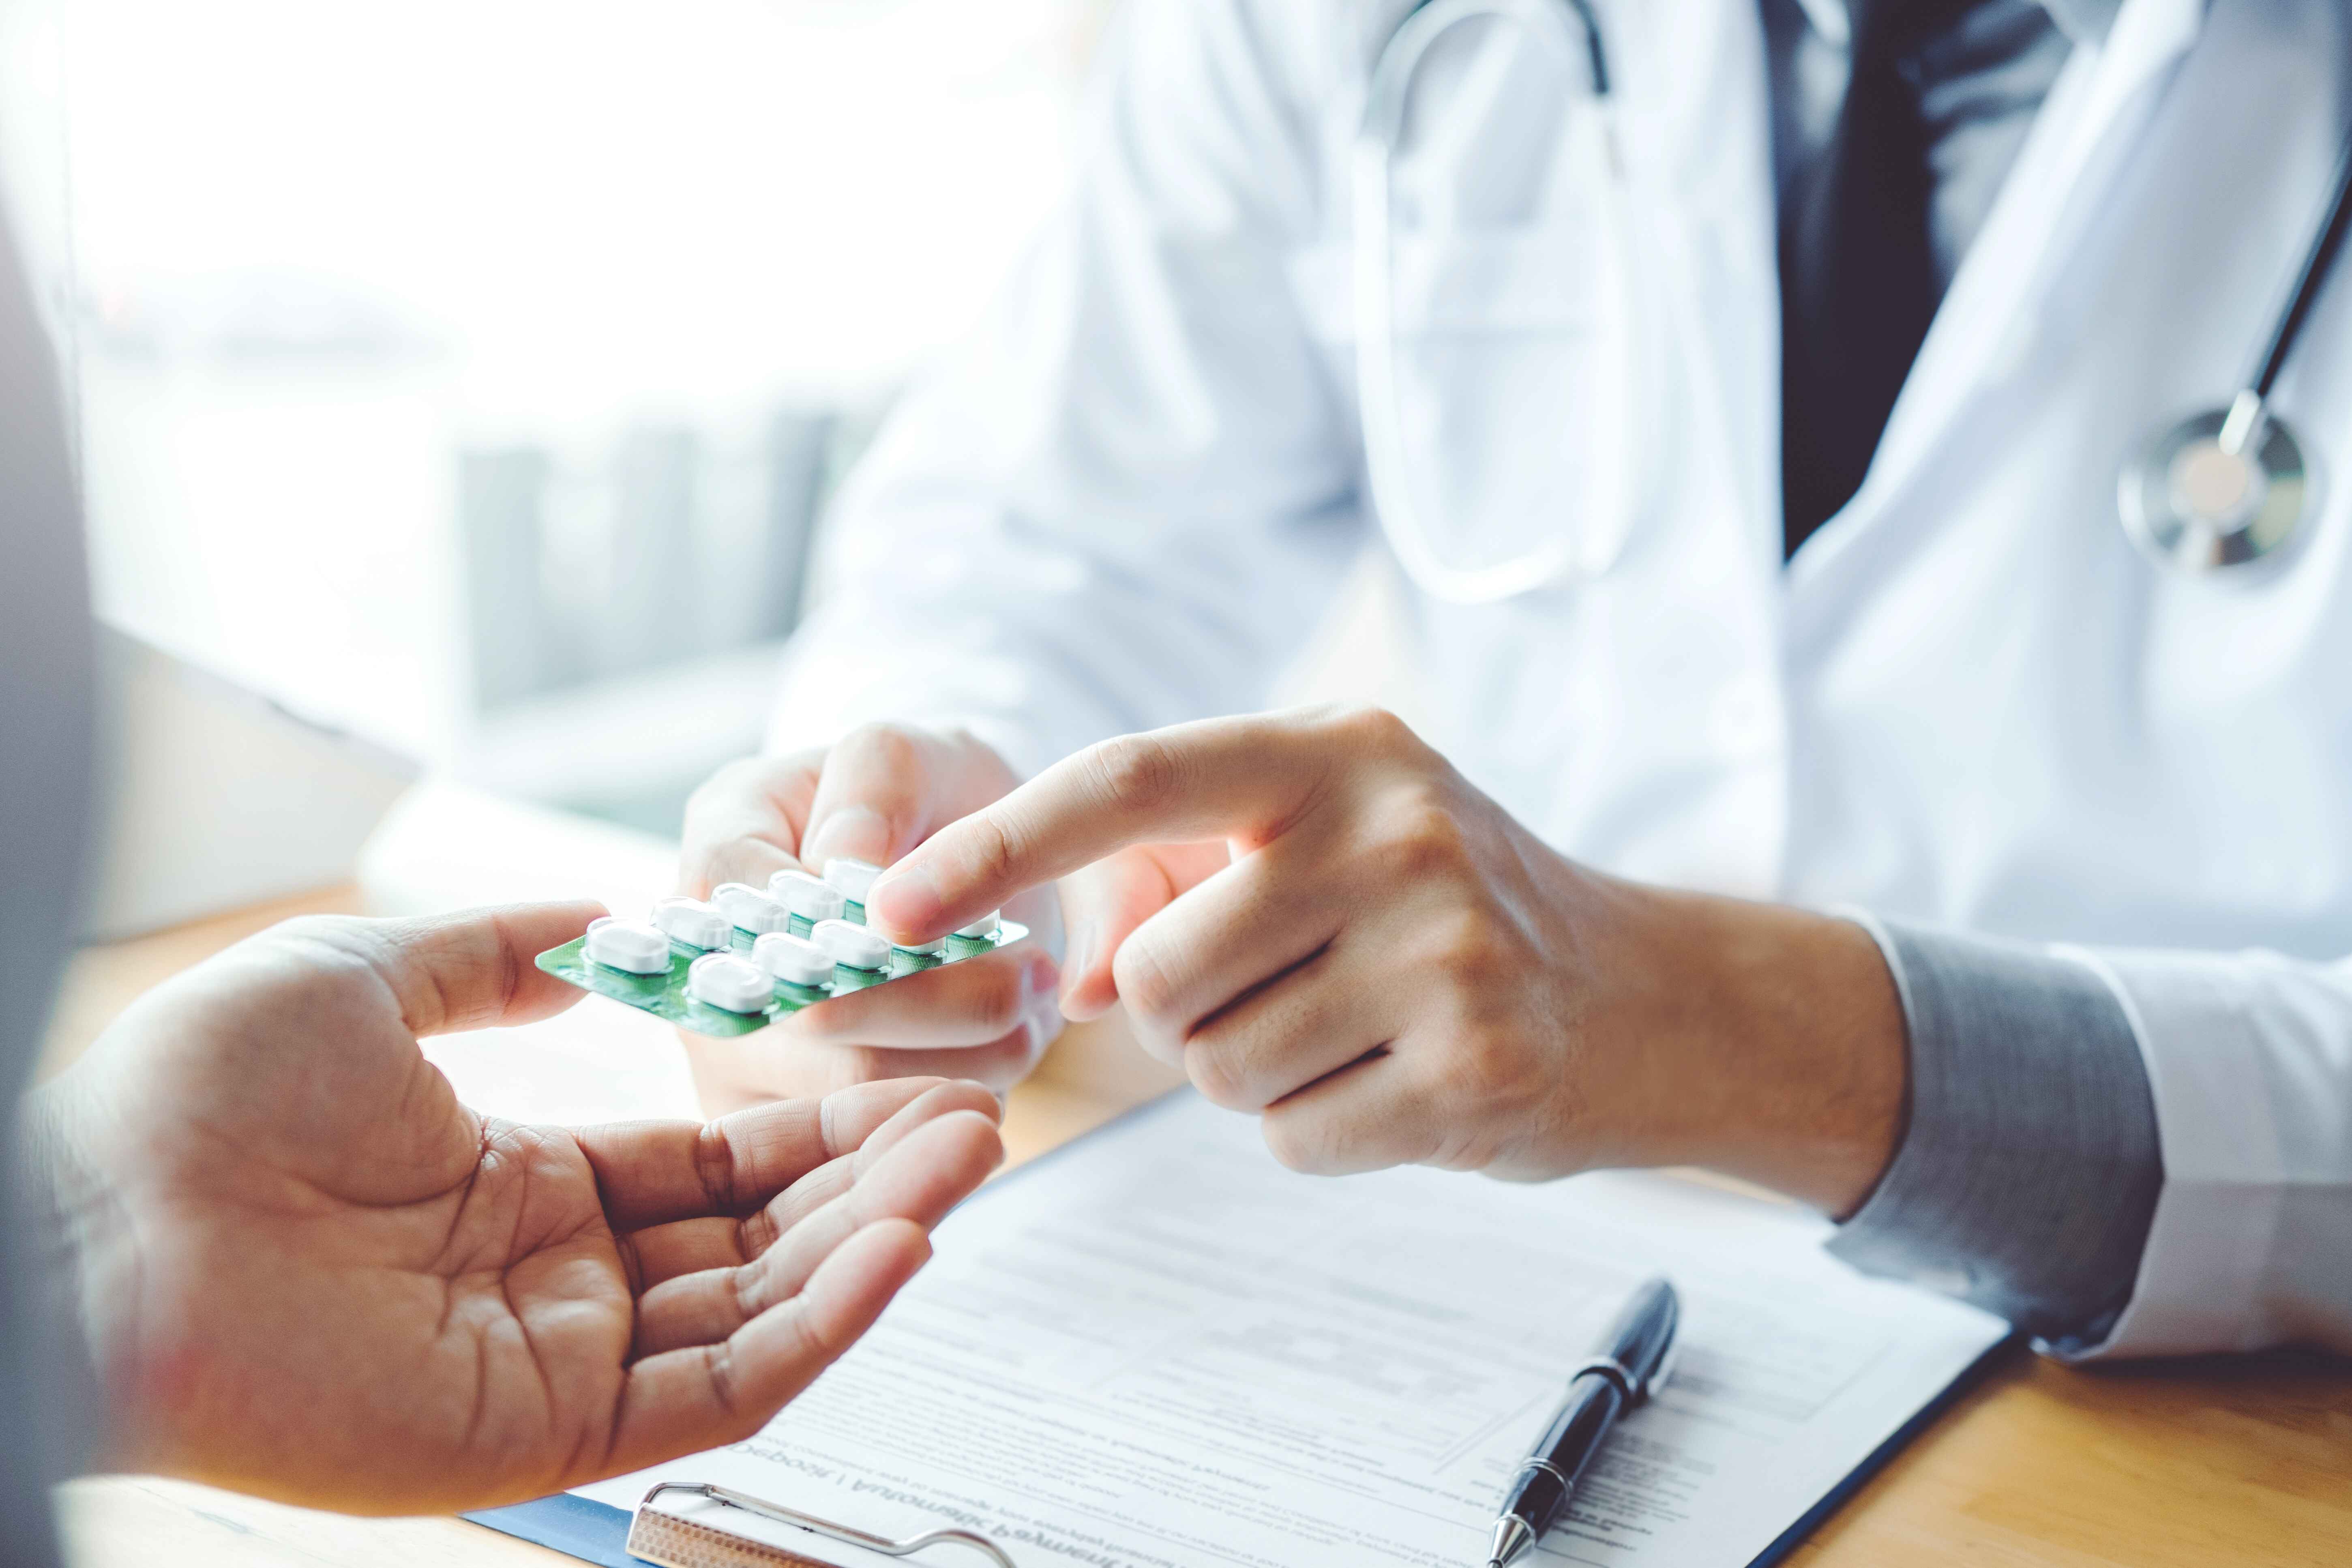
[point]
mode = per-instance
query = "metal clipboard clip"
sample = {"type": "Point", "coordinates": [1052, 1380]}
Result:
{"type": "Point", "coordinates": [679, 1542]}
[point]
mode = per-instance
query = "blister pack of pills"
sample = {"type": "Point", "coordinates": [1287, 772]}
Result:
{"type": "Point", "coordinates": [750, 955]}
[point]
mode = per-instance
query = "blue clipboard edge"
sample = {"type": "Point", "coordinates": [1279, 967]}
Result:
{"type": "Point", "coordinates": [597, 1533]}
{"type": "Point", "coordinates": [1838, 1496]}
{"type": "Point", "coordinates": [593, 1531]}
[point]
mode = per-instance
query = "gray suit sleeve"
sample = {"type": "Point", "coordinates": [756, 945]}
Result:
{"type": "Point", "coordinates": [2029, 1166]}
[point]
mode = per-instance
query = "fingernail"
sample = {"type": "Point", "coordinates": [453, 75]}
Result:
{"type": "Point", "coordinates": [857, 832]}
{"type": "Point", "coordinates": [905, 901]}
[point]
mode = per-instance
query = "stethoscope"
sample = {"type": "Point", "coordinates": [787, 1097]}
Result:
{"type": "Point", "coordinates": [1573, 30]}
{"type": "Point", "coordinates": [2226, 487]}
{"type": "Point", "coordinates": [2230, 487]}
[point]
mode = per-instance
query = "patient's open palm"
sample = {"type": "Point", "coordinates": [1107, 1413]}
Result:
{"type": "Point", "coordinates": [310, 1271]}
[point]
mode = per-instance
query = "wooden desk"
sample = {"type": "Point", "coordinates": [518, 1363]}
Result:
{"type": "Point", "coordinates": [2240, 1462]}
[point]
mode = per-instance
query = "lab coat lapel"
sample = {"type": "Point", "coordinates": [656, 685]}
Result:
{"type": "Point", "coordinates": [1993, 306]}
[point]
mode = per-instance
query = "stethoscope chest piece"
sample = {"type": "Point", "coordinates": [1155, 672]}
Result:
{"type": "Point", "coordinates": [2230, 487]}
{"type": "Point", "coordinates": [2203, 495]}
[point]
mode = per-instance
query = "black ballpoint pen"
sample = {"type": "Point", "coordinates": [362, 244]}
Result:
{"type": "Point", "coordinates": [1630, 1361]}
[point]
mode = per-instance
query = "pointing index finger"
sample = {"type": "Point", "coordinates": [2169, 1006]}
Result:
{"type": "Point", "coordinates": [1216, 778]}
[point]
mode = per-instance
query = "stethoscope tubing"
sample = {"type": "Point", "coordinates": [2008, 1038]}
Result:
{"type": "Point", "coordinates": [2318, 264]}
{"type": "Point", "coordinates": [1596, 52]}
{"type": "Point", "coordinates": [1393, 503]}
{"type": "Point", "coordinates": [1596, 48]}
{"type": "Point", "coordinates": [2241, 429]}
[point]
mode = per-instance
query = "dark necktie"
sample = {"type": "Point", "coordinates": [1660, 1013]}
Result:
{"type": "Point", "coordinates": [1939, 96]}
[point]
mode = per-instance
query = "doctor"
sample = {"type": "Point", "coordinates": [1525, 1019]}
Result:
{"type": "Point", "coordinates": [1823, 785]}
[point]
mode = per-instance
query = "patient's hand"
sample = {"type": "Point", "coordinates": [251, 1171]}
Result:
{"type": "Point", "coordinates": [873, 796]}
{"type": "Point", "coordinates": [308, 1271]}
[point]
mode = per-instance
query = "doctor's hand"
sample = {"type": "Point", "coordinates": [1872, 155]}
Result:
{"type": "Point", "coordinates": [873, 796]}
{"type": "Point", "coordinates": [1326, 925]}
{"type": "Point", "coordinates": [306, 1271]}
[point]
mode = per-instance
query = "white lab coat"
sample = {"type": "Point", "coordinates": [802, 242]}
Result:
{"type": "Point", "coordinates": [1967, 702]}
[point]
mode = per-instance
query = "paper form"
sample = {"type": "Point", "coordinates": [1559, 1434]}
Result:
{"type": "Point", "coordinates": [1161, 1350]}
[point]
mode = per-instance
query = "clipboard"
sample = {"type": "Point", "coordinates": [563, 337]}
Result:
{"type": "Point", "coordinates": [624, 1537]}
{"type": "Point", "coordinates": [613, 1537]}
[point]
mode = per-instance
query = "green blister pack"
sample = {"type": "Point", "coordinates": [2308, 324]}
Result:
{"type": "Point", "coordinates": [666, 994]}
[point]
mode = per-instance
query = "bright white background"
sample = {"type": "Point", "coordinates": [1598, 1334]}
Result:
{"type": "Point", "coordinates": [303, 254]}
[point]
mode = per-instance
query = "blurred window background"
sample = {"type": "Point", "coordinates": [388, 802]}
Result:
{"type": "Point", "coordinates": [470, 376]}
